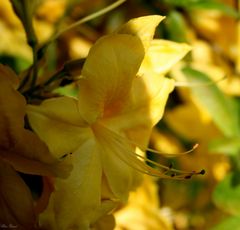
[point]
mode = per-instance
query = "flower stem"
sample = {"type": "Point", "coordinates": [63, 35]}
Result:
{"type": "Point", "coordinates": [89, 17]}
{"type": "Point", "coordinates": [34, 67]}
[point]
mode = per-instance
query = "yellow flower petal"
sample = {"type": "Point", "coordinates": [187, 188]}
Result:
{"type": "Point", "coordinates": [8, 75]}
{"type": "Point", "coordinates": [162, 55]}
{"type": "Point", "coordinates": [20, 147]}
{"type": "Point", "coordinates": [107, 222]}
{"type": "Point", "coordinates": [77, 200]}
{"type": "Point", "coordinates": [58, 123]}
{"type": "Point", "coordinates": [15, 200]}
{"type": "Point", "coordinates": [157, 89]}
{"type": "Point", "coordinates": [108, 72]}
{"type": "Point", "coordinates": [121, 177]}
{"type": "Point", "coordinates": [188, 122]}
{"type": "Point", "coordinates": [36, 167]}
{"type": "Point", "coordinates": [142, 27]}
{"type": "Point", "coordinates": [142, 211]}
{"type": "Point", "coordinates": [145, 107]}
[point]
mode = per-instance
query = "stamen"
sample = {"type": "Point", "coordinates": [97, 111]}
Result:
{"type": "Point", "coordinates": [162, 153]}
{"type": "Point", "coordinates": [195, 84]}
{"type": "Point", "coordinates": [168, 173]}
{"type": "Point", "coordinates": [174, 172]}
{"type": "Point", "coordinates": [173, 154]}
{"type": "Point", "coordinates": [126, 154]}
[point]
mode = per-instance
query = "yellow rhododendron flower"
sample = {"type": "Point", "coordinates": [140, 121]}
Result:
{"type": "Point", "coordinates": [21, 150]}
{"type": "Point", "coordinates": [106, 127]}
{"type": "Point", "coordinates": [19, 147]}
{"type": "Point", "coordinates": [142, 211]}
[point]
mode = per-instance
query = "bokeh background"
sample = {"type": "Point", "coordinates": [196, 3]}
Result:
{"type": "Point", "coordinates": [204, 107]}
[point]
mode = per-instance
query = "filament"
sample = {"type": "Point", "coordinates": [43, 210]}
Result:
{"type": "Point", "coordinates": [170, 154]}
{"type": "Point", "coordinates": [122, 148]}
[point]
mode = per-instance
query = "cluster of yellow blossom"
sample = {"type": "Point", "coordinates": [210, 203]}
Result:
{"type": "Point", "coordinates": [99, 138]}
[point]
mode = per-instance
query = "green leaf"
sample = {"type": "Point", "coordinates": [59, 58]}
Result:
{"type": "Point", "coordinates": [227, 194]}
{"type": "Point", "coordinates": [68, 90]}
{"type": "Point", "coordinates": [223, 109]}
{"type": "Point", "coordinates": [176, 27]}
{"type": "Point", "coordinates": [229, 223]}
{"type": "Point", "coordinates": [204, 4]}
{"type": "Point", "coordinates": [225, 145]}
{"type": "Point", "coordinates": [15, 62]}
{"type": "Point", "coordinates": [214, 5]}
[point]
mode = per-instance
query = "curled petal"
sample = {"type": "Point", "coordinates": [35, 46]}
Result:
{"type": "Point", "coordinates": [142, 27]}
{"type": "Point", "coordinates": [162, 55]}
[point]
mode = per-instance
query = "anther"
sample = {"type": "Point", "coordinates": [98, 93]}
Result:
{"type": "Point", "coordinates": [188, 176]}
